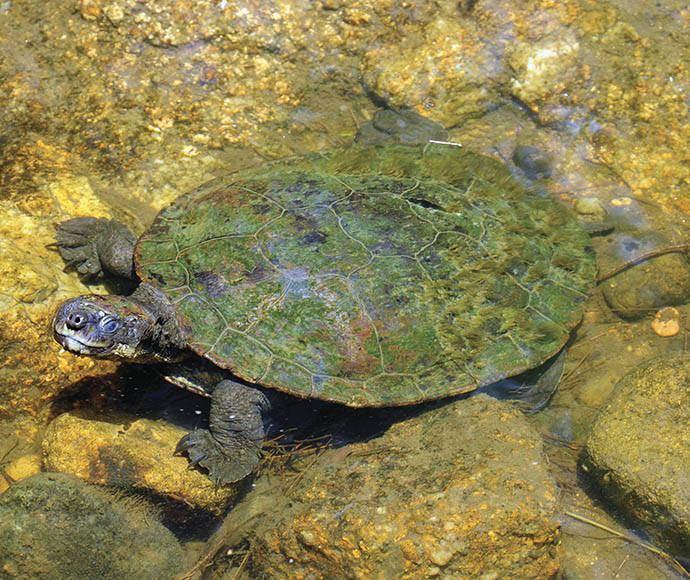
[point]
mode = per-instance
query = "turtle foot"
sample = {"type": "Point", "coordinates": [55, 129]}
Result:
{"type": "Point", "coordinates": [226, 463]}
{"type": "Point", "coordinates": [76, 243]}
{"type": "Point", "coordinates": [95, 245]}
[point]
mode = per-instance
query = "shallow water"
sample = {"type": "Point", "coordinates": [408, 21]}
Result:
{"type": "Point", "coordinates": [116, 108]}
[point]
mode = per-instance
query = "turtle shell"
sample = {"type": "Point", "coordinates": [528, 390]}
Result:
{"type": "Point", "coordinates": [371, 276]}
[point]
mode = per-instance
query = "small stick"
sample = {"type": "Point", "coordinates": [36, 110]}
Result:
{"type": "Point", "coordinates": [621, 566]}
{"type": "Point", "coordinates": [680, 248]}
{"type": "Point", "coordinates": [445, 143]}
{"type": "Point", "coordinates": [586, 340]}
{"type": "Point", "coordinates": [572, 371]}
{"type": "Point", "coordinates": [213, 546]}
{"type": "Point", "coordinates": [243, 564]}
{"type": "Point", "coordinates": [665, 556]}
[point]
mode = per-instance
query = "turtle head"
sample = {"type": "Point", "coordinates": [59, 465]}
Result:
{"type": "Point", "coordinates": [112, 327]}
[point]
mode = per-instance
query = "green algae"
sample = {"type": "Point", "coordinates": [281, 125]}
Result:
{"type": "Point", "coordinates": [371, 276]}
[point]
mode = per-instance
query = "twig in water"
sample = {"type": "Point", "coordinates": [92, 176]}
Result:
{"type": "Point", "coordinates": [680, 248]}
{"type": "Point", "coordinates": [644, 545]}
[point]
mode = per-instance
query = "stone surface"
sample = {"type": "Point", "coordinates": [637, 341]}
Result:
{"type": "Point", "coordinates": [544, 69]}
{"type": "Point", "coordinates": [21, 468]}
{"type": "Point", "coordinates": [56, 527]}
{"type": "Point", "coordinates": [649, 282]}
{"type": "Point", "coordinates": [459, 61]}
{"type": "Point", "coordinates": [31, 283]}
{"type": "Point", "coordinates": [666, 322]}
{"type": "Point", "coordinates": [455, 492]}
{"type": "Point", "coordinates": [121, 450]}
{"type": "Point", "coordinates": [638, 450]}
{"type": "Point", "coordinates": [643, 289]}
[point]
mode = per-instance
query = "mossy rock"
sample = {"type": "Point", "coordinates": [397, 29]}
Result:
{"type": "Point", "coordinates": [56, 527]}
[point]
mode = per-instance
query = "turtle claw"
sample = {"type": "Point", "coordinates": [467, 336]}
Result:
{"type": "Point", "coordinates": [236, 458]}
{"type": "Point", "coordinates": [94, 245]}
{"type": "Point", "coordinates": [191, 445]}
{"type": "Point", "coordinates": [76, 239]}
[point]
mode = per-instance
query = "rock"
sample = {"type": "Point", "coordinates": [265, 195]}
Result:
{"type": "Point", "coordinates": [423, 68]}
{"type": "Point", "coordinates": [647, 286]}
{"type": "Point", "coordinates": [89, 9]}
{"type": "Point", "coordinates": [121, 450]}
{"type": "Point", "coordinates": [21, 468]}
{"type": "Point", "coordinates": [458, 491]}
{"type": "Point", "coordinates": [56, 527]}
{"type": "Point", "coordinates": [666, 322]}
{"type": "Point", "coordinates": [533, 161]}
{"type": "Point", "coordinates": [32, 281]}
{"type": "Point", "coordinates": [403, 126]}
{"type": "Point", "coordinates": [638, 450]}
{"type": "Point", "coordinates": [544, 69]}
{"type": "Point", "coordinates": [590, 205]}
{"type": "Point", "coordinates": [458, 64]}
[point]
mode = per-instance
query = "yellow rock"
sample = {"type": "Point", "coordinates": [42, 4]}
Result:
{"type": "Point", "coordinates": [21, 468]}
{"type": "Point", "coordinates": [74, 196]}
{"type": "Point", "coordinates": [122, 450]}
{"type": "Point", "coordinates": [666, 322]}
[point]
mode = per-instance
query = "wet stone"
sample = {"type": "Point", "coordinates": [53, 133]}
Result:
{"type": "Point", "coordinates": [415, 502]}
{"type": "Point", "coordinates": [534, 162]}
{"type": "Point", "coordinates": [121, 450]}
{"type": "Point", "coordinates": [404, 126]}
{"type": "Point", "coordinates": [647, 284]}
{"type": "Point", "coordinates": [638, 451]}
{"type": "Point", "coordinates": [543, 69]}
{"type": "Point", "coordinates": [666, 322]}
{"type": "Point", "coordinates": [57, 527]}
{"type": "Point", "coordinates": [642, 289]}
{"type": "Point", "coordinates": [23, 467]}
{"type": "Point", "coordinates": [590, 206]}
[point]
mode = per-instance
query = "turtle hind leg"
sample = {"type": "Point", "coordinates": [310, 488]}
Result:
{"type": "Point", "coordinates": [230, 450]}
{"type": "Point", "coordinates": [95, 245]}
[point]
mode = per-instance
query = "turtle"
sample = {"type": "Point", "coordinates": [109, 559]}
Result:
{"type": "Point", "coordinates": [369, 276]}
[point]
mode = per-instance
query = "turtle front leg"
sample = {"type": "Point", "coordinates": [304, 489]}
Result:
{"type": "Point", "coordinates": [230, 449]}
{"type": "Point", "coordinates": [94, 245]}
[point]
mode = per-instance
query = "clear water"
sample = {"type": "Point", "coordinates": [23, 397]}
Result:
{"type": "Point", "coordinates": [116, 108]}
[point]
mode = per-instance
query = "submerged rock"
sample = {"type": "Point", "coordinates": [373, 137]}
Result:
{"type": "Point", "coordinates": [653, 284]}
{"type": "Point", "coordinates": [544, 69]}
{"type": "Point", "coordinates": [122, 450]}
{"type": "Point", "coordinates": [56, 527]}
{"type": "Point", "coordinates": [646, 285]}
{"type": "Point", "coordinates": [404, 126]}
{"type": "Point", "coordinates": [23, 467]}
{"type": "Point", "coordinates": [458, 491]}
{"type": "Point", "coordinates": [638, 451]}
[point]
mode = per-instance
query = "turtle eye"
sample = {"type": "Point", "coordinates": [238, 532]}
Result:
{"type": "Point", "coordinates": [110, 325]}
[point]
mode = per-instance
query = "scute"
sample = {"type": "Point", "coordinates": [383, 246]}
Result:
{"type": "Point", "coordinates": [377, 276]}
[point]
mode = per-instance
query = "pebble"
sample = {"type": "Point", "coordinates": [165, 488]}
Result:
{"type": "Point", "coordinates": [666, 322]}
{"type": "Point", "coordinates": [589, 206]}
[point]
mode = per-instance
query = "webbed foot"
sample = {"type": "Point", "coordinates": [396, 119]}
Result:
{"type": "Point", "coordinates": [230, 450]}
{"type": "Point", "coordinates": [226, 463]}
{"type": "Point", "coordinates": [94, 245]}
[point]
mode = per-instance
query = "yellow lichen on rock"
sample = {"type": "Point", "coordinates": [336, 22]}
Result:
{"type": "Point", "coordinates": [74, 196]}
{"type": "Point", "coordinates": [21, 468]}
{"type": "Point", "coordinates": [125, 451]}
{"type": "Point", "coordinates": [543, 69]}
